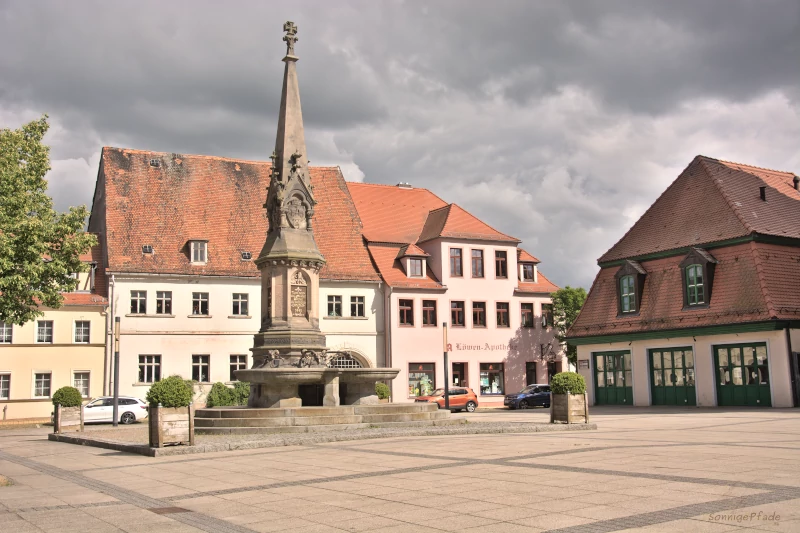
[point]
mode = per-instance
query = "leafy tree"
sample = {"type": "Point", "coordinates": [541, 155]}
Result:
{"type": "Point", "coordinates": [567, 303]}
{"type": "Point", "coordinates": [39, 248]}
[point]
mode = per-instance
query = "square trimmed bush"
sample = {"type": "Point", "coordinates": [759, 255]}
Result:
{"type": "Point", "coordinates": [568, 383]}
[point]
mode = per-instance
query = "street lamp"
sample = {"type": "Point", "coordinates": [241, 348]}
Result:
{"type": "Point", "coordinates": [446, 372]}
{"type": "Point", "coordinates": [115, 415]}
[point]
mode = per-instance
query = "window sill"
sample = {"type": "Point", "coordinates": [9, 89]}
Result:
{"type": "Point", "coordinates": [143, 384]}
{"type": "Point", "coordinates": [45, 343]}
{"type": "Point", "coordinates": [430, 325]}
{"type": "Point", "coordinates": [239, 316]}
{"type": "Point", "coordinates": [344, 318]}
{"type": "Point", "coordinates": [406, 325]}
{"type": "Point", "coordinates": [198, 316]}
{"type": "Point", "coordinates": [141, 315]}
{"type": "Point", "coordinates": [478, 327]}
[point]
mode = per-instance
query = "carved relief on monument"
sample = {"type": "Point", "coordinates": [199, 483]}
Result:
{"type": "Point", "coordinates": [299, 294]}
{"type": "Point", "coordinates": [296, 213]}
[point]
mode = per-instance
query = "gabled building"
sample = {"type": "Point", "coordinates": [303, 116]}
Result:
{"type": "Point", "coordinates": [180, 234]}
{"type": "Point", "coordinates": [64, 347]}
{"type": "Point", "coordinates": [442, 264]}
{"type": "Point", "coordinates": [699, 303]}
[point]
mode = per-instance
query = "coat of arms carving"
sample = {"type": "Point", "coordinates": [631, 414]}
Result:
{"type": "Point", "coordinates": [296, 213]}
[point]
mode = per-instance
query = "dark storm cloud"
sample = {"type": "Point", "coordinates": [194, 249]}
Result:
{"type": "Point", "coordinates": [556, 122]}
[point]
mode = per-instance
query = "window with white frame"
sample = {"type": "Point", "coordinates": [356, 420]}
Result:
{"type": "Point", "coordinates": [163, 302]}
{"type": "Point", "coordinates": [334, 306]}
{"type": "Point", "coordinates": [357, 306]}
{"type": "Point", "coordinates": [41, 385]}
{"type": "Point", "coordinates": [149, 368]}
{"type": "Point", "coordinates": [238, 362]}
{"type": "Point", "coordinates": [6, 333]}
{"type": "Point", "coordinates": [44, 331]}
{"type": "Point", "coordinates": [82, 332]}
{"type": "Point", "coordinates": [199, 252]}
{"type": "Point", "coordinates": [240, 304]}
{"type": "Point", "coordinates": [200, 367]}
{"type": "Point", "coordinates": [5, 386]}
{"type": "Point", "coordinates": [200, 303]}
{"type": "Point", "coordinates": [415, 268]}
{"type": "Point", "coordinates": [80, 380]}
{"type": "Point", "coordinates": [138, 302]}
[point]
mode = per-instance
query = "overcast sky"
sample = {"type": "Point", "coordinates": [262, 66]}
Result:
{"type": "Point", "coordinates": [556, 122]}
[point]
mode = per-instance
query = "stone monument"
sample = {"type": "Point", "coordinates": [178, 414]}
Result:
{"type": "Point", "coordinates": [290, 350]}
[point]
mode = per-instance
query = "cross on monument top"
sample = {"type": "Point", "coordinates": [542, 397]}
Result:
{"type": "Point", "coordinates": [291, 36]}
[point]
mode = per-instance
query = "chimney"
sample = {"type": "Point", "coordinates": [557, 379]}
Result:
{"type": "Point", "coordinates": [763, 191]}
{"type": "Point", "coordinates": [796, 183]}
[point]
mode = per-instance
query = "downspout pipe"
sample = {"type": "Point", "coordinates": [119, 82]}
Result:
{"type": "Point", "coordinates": [387, 327]}
{"type": "Point", "coordinates": [793, 362]}
{"type": "Point", "coordinates": [109, 339]}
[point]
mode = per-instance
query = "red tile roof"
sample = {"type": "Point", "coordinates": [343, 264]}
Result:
{"type": "Point", "coordinates": [98, 295]}
{"type": "Point", "coordinates": [216, 199]}
{"type": "Point", "coordinates": [393, 214]}
{"type": "Point", "coordinates": [412, 250]}
{"type": "Point", "coordinates": [454, 222]}
{"type": "Point", "coordinates": [752, 282]}
{"type": "Point", "coordinates": [542, 285]}
{"type": "Point", "coordinates": [713, 201]}
{"type": "Point", "coordinates": [525, 257]}
{"type": "Point", "coordinates": [385, 256]}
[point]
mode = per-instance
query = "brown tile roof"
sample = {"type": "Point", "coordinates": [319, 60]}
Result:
{"type": "Point", "coordinates": [393, 214]}
{"type": "Point", "coordinates": [542, 285]}
{"type": "Point", "coordinates": [385, 256]}
{"type": "Point", "coordinates": [412, 250]}
{"type": "Point", "coordinates": [525, 257]}
{"type": "Point", "coordinates": [752, 282]}
{"type": "Point", "coordinates": [216, 199]}
{"type": "Point", "coordinates": [713, 201]}
{"type": "Point", "coordinates": [454, 222]}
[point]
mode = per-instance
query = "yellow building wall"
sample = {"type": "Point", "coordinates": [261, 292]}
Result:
{"type": "Point", "coordinates": [24, 358]}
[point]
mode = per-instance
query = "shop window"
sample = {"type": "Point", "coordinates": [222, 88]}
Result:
{"type": "Point", "coordinates": [200, 303]}
{"type": "Point", "coordinates": [82, 332]}
{"type": "Point", "coordinates": [44, 331]}
{"type": "Point", "coordinates": [406, 312]}
{"type": "Point", "coordinates": [80, 380]}
{"type": "Point", "coordinates": [477, 263]}
{"type": "Point", "coordinates": [240, 304]}
{"type": "Point", "coordinates": [238, 362]}
{"type": "Point", "coordinates": [428, 312]}
{"type": "Point", "coordinates": [500, 264]}
{"type": "Point", "coordinates": [41, 385]}
{"type": "Point", "coordinates": [492, 378]}
{"type": "Point", "coordinates": [455, 262]}
{"type": "Point", "coordinates": [149, 368]}
{"type": "Point", "coordinates": [457, 314]}
{"type": "Point", "coordinates": [200, 368]}
{"type": "Point", "coordinates": [6, 331]}
{"type": "Point", "coordinates": [163, 302]}
{"type": "Point", "coordinates": [527, 315]}
{"type": "Point", "coordinates": [357, 306]}
{"type": "Point", "coordinates": [421, 379]}
{"type": "Point", "coordinates": [334, 306]}
{"type": "Point", "coordinates": [478, 314]}
{"type": "Point", "coordinates": [502, 315]}
{"type": "Point", "coordinates": [138, 302]}
{"type": "Point", "coordinates": [547, 315]}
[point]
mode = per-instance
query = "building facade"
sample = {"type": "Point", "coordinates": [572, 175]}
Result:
{"type": "Point", "coordinates": [64, 347]}
{"type": "Point", "coordinates": [440, 265]}
{"type": "Point", "coordinates": [699, 303]}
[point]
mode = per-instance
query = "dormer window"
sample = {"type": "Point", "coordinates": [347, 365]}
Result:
{"type": "Point", "coordinates": [627, 294]}
{"type": "Point", "coordinates": [415, 268]}
{"type": "Point", "coordinates": [527, 272]}
{"type": "Point", "coordinates": [694, 285]}
{"type": "Point", "coordinates": [630, 283]}
{"type": "Point", "coordinates": [697, 271]}
{"type": "Point", "coordinates": [199, 250]}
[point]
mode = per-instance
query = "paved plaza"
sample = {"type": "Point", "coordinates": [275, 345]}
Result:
{"type": "Point", "coordinates": [643, 470]}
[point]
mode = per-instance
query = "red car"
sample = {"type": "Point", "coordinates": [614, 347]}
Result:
{"type": "Point", "coordinates": [460, 399]}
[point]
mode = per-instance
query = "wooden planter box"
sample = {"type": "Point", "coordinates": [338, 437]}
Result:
{"type": "Point", "coordinates": [171, 425]}
{"type": "Point", "coordinates": [569, 408]}
{"type": "Point", "coordinates": [67, 419]}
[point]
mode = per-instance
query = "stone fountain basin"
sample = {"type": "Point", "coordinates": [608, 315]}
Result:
{"type": "Point", "coordinates": [285, 375]}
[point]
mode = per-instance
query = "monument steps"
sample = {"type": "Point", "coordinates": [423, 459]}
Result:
{"type": "Point", "coordinates": [324, 428]}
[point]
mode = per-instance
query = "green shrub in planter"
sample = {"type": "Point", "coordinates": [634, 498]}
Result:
{"type": "Point", "coordinates": [382, 390]}
{"type": "Point", "coordinates": [173, 391]}
{"type": "Point", "coordinates": [219, 395]}
{"type": "Point", "coordinates": [241, 393]}
{"type": "Point", "coordinates": [67, 397]}
{"type": "Point", "coordinates": [568, 382]}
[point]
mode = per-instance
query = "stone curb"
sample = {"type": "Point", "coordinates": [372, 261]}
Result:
{"type": "Point", "coordinates": [297, 439]}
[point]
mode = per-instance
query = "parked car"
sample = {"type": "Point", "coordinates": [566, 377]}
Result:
{"type": "Point", "coordinates": [102, 410]}
{"type": "Point", "coordinates": [461, 399]}
{"type": "Point", "coordinates": [530, 396]}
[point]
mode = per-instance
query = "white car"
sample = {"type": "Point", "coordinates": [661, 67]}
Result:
{"type": "Point", "coordinates": [102, 410]}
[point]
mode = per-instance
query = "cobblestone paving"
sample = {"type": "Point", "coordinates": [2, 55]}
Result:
{"type": "Point", "coordinates": [643, 470]}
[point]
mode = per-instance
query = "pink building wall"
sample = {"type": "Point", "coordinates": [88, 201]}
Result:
{"type": "Point", "coordinates": [512, 346]}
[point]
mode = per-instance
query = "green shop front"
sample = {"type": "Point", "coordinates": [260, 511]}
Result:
{"type": "Point", "coordinates": [613, 378]}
